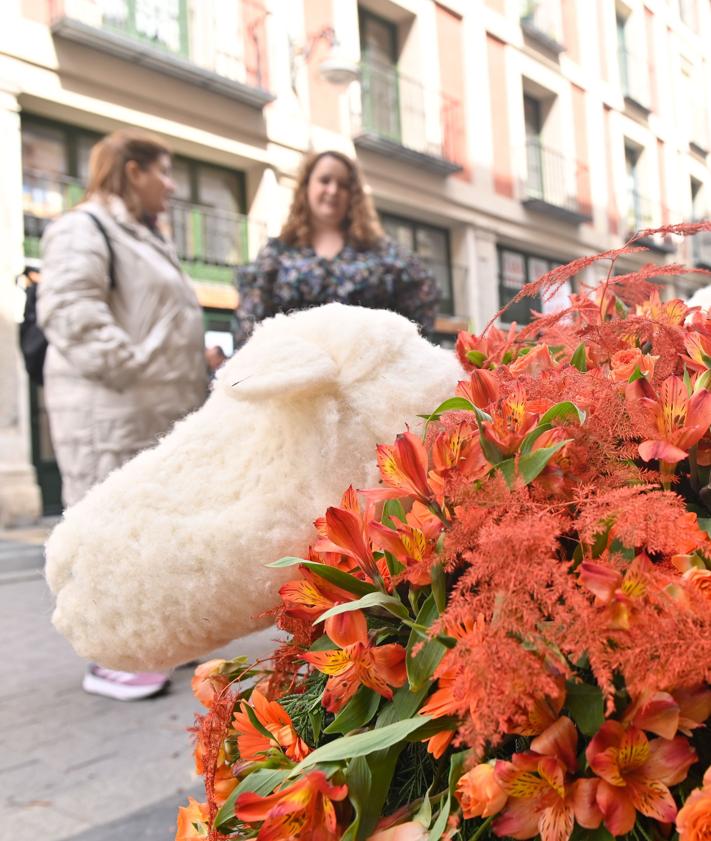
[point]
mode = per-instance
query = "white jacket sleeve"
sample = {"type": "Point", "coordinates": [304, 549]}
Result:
{"type": "Point", "coordinates": [72, 304]}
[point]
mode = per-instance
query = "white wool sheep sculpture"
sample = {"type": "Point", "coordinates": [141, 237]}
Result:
{"type": "Point", "coordinates": [164, 561]}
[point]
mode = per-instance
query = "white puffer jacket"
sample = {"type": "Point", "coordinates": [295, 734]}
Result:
{"type": "Point", "coordinates": [123, 364]}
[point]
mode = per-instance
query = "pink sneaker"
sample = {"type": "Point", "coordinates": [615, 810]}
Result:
{"type": "Point", "coordinates": [123, 686]}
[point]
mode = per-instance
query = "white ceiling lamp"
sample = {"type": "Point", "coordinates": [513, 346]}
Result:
{"type": "Point", "coordinates": [336, 68]}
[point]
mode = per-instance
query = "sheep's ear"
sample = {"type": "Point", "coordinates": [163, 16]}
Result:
{"type": "Point", "coordinates": [288, 367]}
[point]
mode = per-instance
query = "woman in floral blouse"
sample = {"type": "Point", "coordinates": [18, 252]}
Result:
{"type": "Point", "coordinates": [332, 248]}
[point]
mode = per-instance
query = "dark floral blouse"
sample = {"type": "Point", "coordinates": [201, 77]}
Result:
{"type": "Point", "coordinates": [285, 278]}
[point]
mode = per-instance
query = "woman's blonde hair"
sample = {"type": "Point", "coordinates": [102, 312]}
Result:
{"type": "Point", "coordinates": [361, 226]}
{"type": "Point", "coordinates": [108, 159]}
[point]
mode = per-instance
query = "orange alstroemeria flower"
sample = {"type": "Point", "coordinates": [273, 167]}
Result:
{"type": "Point", "coordinates": [378, 667]}
{"type": "Point", "coordinates": [411, 543]}
{"type": "Point", "coordinates": [481, 389]}
{"type": "Point", "coordinates": [671, 312]}
{"type": "Point", "coordinates": [510, 422]}
{"type": "Point", "coordinates": [458, 450]}
{"type": "Point", "coordinates": [483, 351]}
{"type": "Point", "coordinates": [624, 363]}
{"type": "Point", "coordinates": [667, 713]}
{"type": "Point", "coordinates": [676, 421]}
{"type": "Point", "coordinates": [193, 821]}
{"type": "Point", "coordinates": [310, 596]}
{"type": "Point", "coordinates": [612, 589]}
{"type": "Point", "coordinates": [207, 683]}
{"type": "Point", "coordinates": [347, 533]}
{"type": "Point", "coordinates": [479, 792]}
{"type": "Point", "coordinates": [698, 348]}
{"type": "Point", "coordinates": [253, 744]}
{"type": "Point", "coordinates": [533, 363]}
{"type": "Point", "coordinates": [635, 774]}
{"type": "Point", "coordinates": [541, 800]}
{"type": "Point", "coordinates": [403, 468]}
{"type": "Point", "coordinates": [303, 810]}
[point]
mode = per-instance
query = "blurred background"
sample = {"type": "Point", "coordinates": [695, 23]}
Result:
{"type": "Point", "coordinates": [499, 139]}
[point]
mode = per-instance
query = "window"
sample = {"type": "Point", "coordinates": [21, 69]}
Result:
{"type": "Point", "coordinates": [54, 172]}
{"type": "Point", "coordinates": [380, 84]}
{"type": "Point", "coordinates": [698, 211]}
{"type": "Point", "coordinates": [638, 206]}
{"type": "Point", "coordinates": [516, 269]}
{"type": "Point", "coordinates": [533, 120]}
{"type": "Point", "coordinates": [205, 214]}
{"type": "Point", "coordinates": [431, 244]}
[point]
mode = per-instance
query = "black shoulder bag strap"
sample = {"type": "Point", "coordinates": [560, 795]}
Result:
{"type": "Point", "coordinates": [102, 230]}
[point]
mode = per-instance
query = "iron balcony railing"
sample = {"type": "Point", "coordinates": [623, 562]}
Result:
{"type": "Point", "coordinates": [211, 236]}
{"type": "Point", "coordinates": [634, 77]}
{"type": "Point", "coordinates": [228, 39]}
{"type": "Point", "coordinates": [400, 109]}
{"type": "Point", "coordinates": [208, 240]}
{"type": "Point", "coordinates": [554, 178]}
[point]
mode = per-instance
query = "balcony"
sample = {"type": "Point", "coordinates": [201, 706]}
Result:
{"type": "Point", "coordinates": [634, 80]}
{"type": "Point", "coordinates": [641, 215]}
{"type": "Point", "coordinates": [540, 25]}
{"type": "Point", "coordinates": [219, 47]}
{"type": "Point", "coordinates": [402, 120]}
{"type": "Point", "coordinates": [551, 184]}
{"type": "Point", "coordinates": [210, 242]}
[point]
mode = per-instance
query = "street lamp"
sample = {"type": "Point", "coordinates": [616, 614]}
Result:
{"type": "Point", "coordinates": [336, 68]}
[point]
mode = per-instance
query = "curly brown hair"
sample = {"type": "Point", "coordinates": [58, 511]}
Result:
{"type": "Point", "coordinates": [361, 226]}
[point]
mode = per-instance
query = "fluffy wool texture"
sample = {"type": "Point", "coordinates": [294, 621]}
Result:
{"type": "Point", "coordinates": [165, 560]}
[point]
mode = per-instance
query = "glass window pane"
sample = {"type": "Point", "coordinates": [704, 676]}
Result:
{"type": "Point", "coordinates": [401, 232]}
{"type": "Point", "coordinates": [44, 150]}
{"type": "Point", "coordinates": [218, 188]}
{"type": "Point", "coordinates": [44, 170]}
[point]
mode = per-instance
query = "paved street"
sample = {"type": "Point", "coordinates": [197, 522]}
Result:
{"type": "Point", "coordinates": [76, 766]}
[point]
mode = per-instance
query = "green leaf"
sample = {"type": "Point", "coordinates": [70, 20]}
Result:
{"type": "Point", "coordinates": [508, 468]}
{"type": "Point", "coordinates": [420, 667]}
{"type": "Point", "coordinates": [636, 375]}
{"type": "Point", "coordinates": [391, 603]}
{"type": "Point", "coordinates": [491, 452]}
{"type": "Point", "coordinates": [424, 813]}
{"type": "Point", "coordinates": [476, 357]}
{"type": "Point", "coordinates": [335, 576]}
{"type": "Point", "coordinates": [362, 743]}
{"type": "Point", "coordinates": [257, 724]}
{"type": "Point", "coordinates": [449, 405]}
{"type": "Point", "coordinates": [532, 437]}
{"type": "Point", "coordinates": [529, 466]}
{"type": "Point", "coordinates": [439, 587]}
{"type": "Point", "coordinates": [566, 409]}
{"type": "Point", "coordinates": [288, 561]}
{"type": "Point", "coordinates": [357, 712]}
{"type": "Point", "coordinates": [585, 704]}
{"type": "Point", "coordinates": [359, 780]}
{"type": "Point", "coordinates": [262, 781]}
{"type": "Point", "coordinates": [382, 767]}
{"type": "Point", "coordinates": [578, 359]}
{"type": "Point", "coordinates": [456, 768]}
{"type": "Point", "coordinates": [393, 510]}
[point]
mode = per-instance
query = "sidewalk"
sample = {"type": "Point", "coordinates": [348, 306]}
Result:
{"type": "Point", "coordinates": [78, 766]}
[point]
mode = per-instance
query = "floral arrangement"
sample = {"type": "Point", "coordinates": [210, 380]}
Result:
{"type": "Point", "coordinates": [511, 635]}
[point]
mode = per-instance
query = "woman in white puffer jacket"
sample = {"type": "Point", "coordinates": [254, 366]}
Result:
{"type": "Point", "coordinates": [125, 357]}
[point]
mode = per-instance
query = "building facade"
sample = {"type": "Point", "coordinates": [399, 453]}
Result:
{"type": "Point", "coordinates": [499, 138]}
